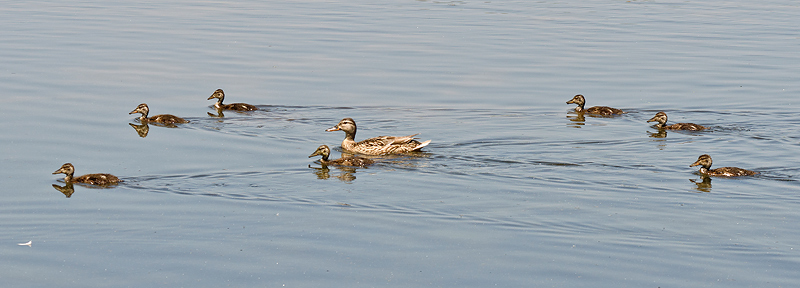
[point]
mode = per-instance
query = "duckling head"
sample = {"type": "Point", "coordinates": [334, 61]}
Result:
{"type": "Point", "coordinates": [578, 99]}
{"type": "Point", "coordinates": [704, 161]}
{"type": "Point", "coordinates": [219, 94]}
{"type": "Point", "coordinates": [67, 169]}
{"type": "Point", "coordinates": [660, 117]}
{"type": "Point", "coordinates": [348, 125]}
{"type": "Point", "coordinates": [142, 108]}
{"type": "Point", "coordinates": [323, 151]}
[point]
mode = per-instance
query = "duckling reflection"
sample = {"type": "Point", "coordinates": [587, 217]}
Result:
{"type": "Point", "coordinates": [141, 129]}
{"type": "Point", "coordinates": [661, 133]}
{"type": "Point", "coordinates": [577, 119]}
{"type": "Point", "coordinates": [323, 173]}
{"type": "Point", "coordinates": [704, 161]}
{"type": "Point", "coordinates": [100, 179]}
{"type": "Point", "coordinates": [704, 185]}
{"type": "Point", "coordinates": [166, 119]}
{"type": "Point", "coordinates": [67, 189]}
{"type": "Point", "coordinates": [596, 110]}
{"type": "Point", "coordinates": [219, 114]}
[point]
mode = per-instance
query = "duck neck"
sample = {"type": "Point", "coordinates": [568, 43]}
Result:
{"type": "Point", "coordinates": [704, 169]}
{"type": "Point", "coordinates": [579, 108]}
{"type": "Point", "coordinates": [219, 102]}
{"type": "Point", "coordinates": [68, 178]}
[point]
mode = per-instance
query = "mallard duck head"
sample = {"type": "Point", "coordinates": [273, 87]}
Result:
{"type": "Point", "coordinates": [578, 99]}
{"type": "Point", "coordinates": [660, 117]}
{"type": "Point", "coordinates": [704, 161]}
{"type": "Point", "coordinates": [348, 125]}
{"type": "Point", "coordinates": [219, 94]}
{"type": "Point", "coordinates": [142, 108]}
{"type": "Point", "coordinates": [323, 151]}
{"type": "Point", "coordinates": [67, 169]}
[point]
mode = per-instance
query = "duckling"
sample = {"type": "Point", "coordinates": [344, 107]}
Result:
{"type": "Point", "coordinates": [163, 118]}
{"type": "Point", "coordinates": [381, 145]}
{"type": "Point", "coordinates": [94, 179]}
{"type": "Point", "coordinates": [704, 161]}
{"type": "Point", "coordinates": [599, 110]}
{"type": "Point", "coordinates": [661, 118]}
{"type": "Point", "coordinates": [354, 161]}
{"type": "Point", "coordinates": [235, 106]}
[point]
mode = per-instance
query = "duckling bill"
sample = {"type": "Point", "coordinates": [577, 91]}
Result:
{"type": "Point", "coordinates": [381, 145]}
{"type": "Point", "coordinates": [101, 179]}
{"type": "Point", "coordinates": [354, 161]}
{"type": "Point", "coordinates": [163, 118]}
{"type": "Point", "coordinates": [220, 95]}
{"type": "Point", "coordinates": [661, 118]}
{"type": "Point", "coordinates": [704, 161]}
{"type": "Point", "coordinates": [597, 110]}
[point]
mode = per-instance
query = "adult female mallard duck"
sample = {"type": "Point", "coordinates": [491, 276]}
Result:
{"type": "Point", "coordinates": [219, 94]}
{"type": "Point", "coordinates": [599, 110]}
{"type": "Point", "coordinates": [163, 118]}
{"type": "Point", "coordinates": [381, 145]}
{"type": "Point", "coordinates": [661, 118]}
{"type": "Point", "coordinates": [704, 161]}
{"type": "Point", "coordinates": [354, 161]}
{"type": "Point", "coordinates": [94, 179]}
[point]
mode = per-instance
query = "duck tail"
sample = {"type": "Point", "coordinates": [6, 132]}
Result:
{"type": "Point", "coordinates": [423, 144]}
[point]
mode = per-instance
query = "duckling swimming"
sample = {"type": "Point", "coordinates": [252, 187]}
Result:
{"type": "Point", "coordinates": [94, 179]}
{"type": "Point", "coordinates": [354, 161]}
{"type": "Point", "coordinates": [598, 110]}
{"type": "Point", "coordinates": [704, 161]}
{"type": "Point", "coordinates": [235, 106]}
{"type": "Point", "coordinates": [661, 118]}
{"type": "Point", "coordinates": [163, 118]}
{"type": "Point", "coordinates": [381, 145]}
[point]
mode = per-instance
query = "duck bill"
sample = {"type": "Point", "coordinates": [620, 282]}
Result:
{"type": "Point", "coordinates": [315, 154]}
{"type": "Point", "coordinates": [134, 111]}
{"type": "Point", "coordinates": [210, 97]}
{"type": "Point", "coordinates": [571, 101]}
{"type": "Point", "coordinates": [59, 171]}
{"type": "Point", "coordinates": [695, 164]}
{"type": "Point", "coordinates": [334, 128]}
{"type": "Point", "coordinates": [652, 120]}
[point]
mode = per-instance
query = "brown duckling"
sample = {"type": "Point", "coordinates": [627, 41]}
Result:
{"type": "Point", "coordinates": [704, 161]}
{"type": "Point", "coordinates": [354, 161]}
{"type": "Point", "coordinates": [661, 118]}
{"type": "Point", "coordinates": [219, 94]}
{"type": "Point", "coordinates": [598, 110]}
{"type": "Point", "coordinates": [94, 179]}
{"type": "Point", "coordinates": [381, 145]}
{"type": "Point", "coordinates": [163, 118]}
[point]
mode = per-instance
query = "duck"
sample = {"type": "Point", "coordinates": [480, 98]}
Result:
{"type": "Point", "coordinates": [598, 110]}
{"type": "Point", "coordinates": [163, 118]}
{"type": "Point", "coordinates": [219, 94]}
{"type": "Point", "coordinates": [381, 145]}
{"type": "Point", "coordinates": [354, 161]}
{"type": "Point", "coordinates": [101, 179]}
{"type": "Point", "coordinates": [661, 118]}
{"type": "Point", "coordinates": [704, 161]}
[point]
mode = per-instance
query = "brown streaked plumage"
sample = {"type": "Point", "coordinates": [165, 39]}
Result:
{"type": "Point", "coordinates": [704, 161]}
{"type": "Point", "coordinates": [661, 118]}
{"type": "Point", "coordinates": [354, 161]}
{"type": "Point", "coordinates": [101, 179]}
{"type": "Point", "coordinates": [163, 118]}
{"type": "Point", "coordinates": [598, 110]}
{"type": "Point", "coordinates": [220, 95]}
{"type": "Point", "coordinates": [381, 145]}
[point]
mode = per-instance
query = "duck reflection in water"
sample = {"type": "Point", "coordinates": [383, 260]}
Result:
{"type": "Point", "coordinates": [347, 164]}
{"type": "Point", "coordinates": [219, 114]}
{"type": "Point", "coordinates": [577, 119]}
{"type": "Point", "coordinates": [704, 185]}
{"type": "Point", "coordinates": [141, 129]}
{"type": "Point", "coordinates": [67, 189]}
{"type": "Point", "coordinates": [661, 133]}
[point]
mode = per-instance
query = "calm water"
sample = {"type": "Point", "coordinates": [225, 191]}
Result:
{"type": "Point", "coordinates": [514, 191]}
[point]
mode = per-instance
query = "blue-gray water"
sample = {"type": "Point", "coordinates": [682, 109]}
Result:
{"type": "Point", "coordinates": [514, 191]}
